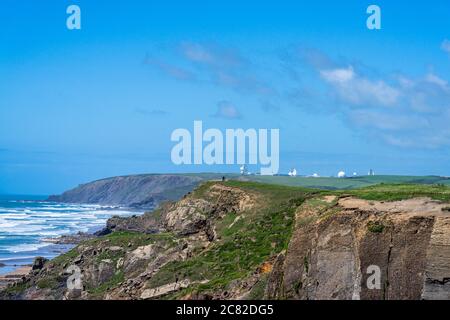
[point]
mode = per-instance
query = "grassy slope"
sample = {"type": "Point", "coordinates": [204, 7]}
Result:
{"type": "Point", "coordinates": [348, 183]}
{"type": "Point", "coordinates": [243, 244]}
{"type": "Point", "coordinates": [266, 231]}
{"type": "Point", "coordinates": [260, 233]}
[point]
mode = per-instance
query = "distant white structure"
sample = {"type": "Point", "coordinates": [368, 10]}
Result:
{"type": "Point", "coordinates": [315, 175]}
{"type": "Point", "coordinates": [355, 174]}
{"type": "Point", "coordinates": [341, 174]}
{"type": "Point", "coordinates": [371, 173]}
{"type": "Point", "coordinates": [293, 173]}
{"type": "Point", "coordinates": [244, 170]}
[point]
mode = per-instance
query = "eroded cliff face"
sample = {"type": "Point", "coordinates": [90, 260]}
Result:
{"type": "Point", "coordinates": [121, 264]}
{"type": "Point", "coordinates": [241, 240]}
{"type": "Point", "coordinates": [337, 244]}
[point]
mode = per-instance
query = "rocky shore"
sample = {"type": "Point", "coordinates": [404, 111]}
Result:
{"type": "Point", "coordinates": [15, 276]}
{"type": "Point", "coordinates": [70, 239]}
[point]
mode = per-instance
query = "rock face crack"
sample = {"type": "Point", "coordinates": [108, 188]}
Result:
{"type": "Point", "coordinates": [388, 261]}
{"type": "Point", "coordinates": [437, 273]}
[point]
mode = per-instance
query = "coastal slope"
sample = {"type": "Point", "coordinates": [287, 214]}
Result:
{"type": "Point", "coordinates": [247, 240]}
{"type": "Point", "coordinates": [146, 191]}
{"type": "Point", "coordinates": [138, 191]}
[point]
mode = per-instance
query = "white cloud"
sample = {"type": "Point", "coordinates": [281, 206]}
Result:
{"type": "Point", "coordinates": [358, 90]}
{"type": "Point", "coordinates": [446, 46]}
{"type": "Point", "coordinates": [399, 110]}
{"type": "Point", "coordinates": [339, 76]}
{"type": "Point", "coordinates": [432, 78]}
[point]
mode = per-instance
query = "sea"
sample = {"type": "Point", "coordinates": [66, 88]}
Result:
{"type": "Point", "coordinates": [27, 222]}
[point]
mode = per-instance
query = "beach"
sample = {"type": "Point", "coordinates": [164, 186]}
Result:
{"type": "Point", "coordinates": [32, 227]}
{"type": "Point", "coordinates": [14, 276]}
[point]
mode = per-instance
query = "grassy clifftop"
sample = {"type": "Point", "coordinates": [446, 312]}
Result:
{"type": "Point", "coordinates": [245, 239]}
{"type": "Point", "coordinates": [149, 190]}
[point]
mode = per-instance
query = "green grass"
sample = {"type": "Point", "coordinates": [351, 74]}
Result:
{"type": "Point", "coordinates": [261, 233]}
{"type": "Point", "coordinates": [98, 292]}
{"type": "Point", "coordinates": [66, 257]}
{"type": "Point", "coordinates": [47, 283]}
{"type": "Point", "coordinates": [246, 240]}
{"type": "Point", "coordinates": [257, 292]}
{"type": "Point", "coordinates": [17, 288]}
{"type": "Point", "coordinates": [393, 192]}
{"type": "Point", "coordinates": [330, 183]}
{"type": "Point", "coordinates": [131, 240]}
{"type": "Point", "coordinates": [258, 235]}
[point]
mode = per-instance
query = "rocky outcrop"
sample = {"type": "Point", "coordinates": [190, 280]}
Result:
{"type": "Point", "coordinates": [437, 276]}
{"type": "Point", "coordinates": [39, 263]}
{"type": "Point", "coordinates": [337, 248]}
{"type": "Point", "coordinates": [223, 241]}
{"type": "Point", "coordinates": [120, 265]}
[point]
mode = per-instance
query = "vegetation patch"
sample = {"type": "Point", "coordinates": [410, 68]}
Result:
{"type": "Point", "coordinates": [258, 290]}
{"type": "Point", "coordinates": [251, 240]}
{"type": "Point", "coordinates": [375, 226]}
{"type": "Point", "coordinates": [47, 283]}
{"type": "Point", "coordinates": [396, 192]}
{"type": "Point", "coordinates": [101, 290]}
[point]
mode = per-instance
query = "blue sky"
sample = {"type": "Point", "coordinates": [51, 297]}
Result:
{"type": "Point", "coordinates": [77, 105]}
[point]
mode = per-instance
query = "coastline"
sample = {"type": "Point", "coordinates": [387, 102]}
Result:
{"type": "Point", "coordinates": [14, 276]}
{"type": "Point", "coordinates": [83, 228]}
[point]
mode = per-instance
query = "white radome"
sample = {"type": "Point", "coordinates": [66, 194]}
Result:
{"type": "Point", "coordinates": [341, 174]}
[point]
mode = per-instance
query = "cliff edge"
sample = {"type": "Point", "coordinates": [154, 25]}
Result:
{"type": "Point", "coordinates": [245, 240]}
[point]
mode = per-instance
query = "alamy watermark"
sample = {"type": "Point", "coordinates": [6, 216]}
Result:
{"type": "Point", "coordinates": [235, 146]}
{"type": "Point", "coordinates": [374, 280]}
{"type": "Point", "coordinates": [374, 20]}
{"type": "Point", "coordinates": [74, 281]}
{"type": "Point", "coordinates": [73, 21]}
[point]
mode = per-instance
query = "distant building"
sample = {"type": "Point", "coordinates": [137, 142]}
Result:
{"type": "Point", "coordinates": [341, 174]}
{"type": "Point", "coordinates": [355, 174]}
{"type": "Point", "coordinates": [293, 173]}
{"type": "Point", "coordinates": [371, 173]}
{"type": "Point", "coordinates": [244, 170]}
{"type": "Point", "coordinates": [315, 175]}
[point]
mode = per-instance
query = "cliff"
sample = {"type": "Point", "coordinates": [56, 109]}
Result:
{"type": "Point", "coordinates": [245, 240]}
{"type": "Point", "coordinates": [139, 191]}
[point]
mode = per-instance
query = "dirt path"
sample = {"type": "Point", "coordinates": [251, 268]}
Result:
{"type": "Point", "coordinates": [417, 206]}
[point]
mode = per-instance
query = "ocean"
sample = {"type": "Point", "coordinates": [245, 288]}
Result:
{"type": "Point", "coordinates": [27, 221]}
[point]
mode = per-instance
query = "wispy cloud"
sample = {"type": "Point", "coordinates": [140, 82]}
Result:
{"type": "Point", "coordinates": [446, 46]}
{"type": "Point", "coordinates": [227, 110]}
{"type": "Point", "coordinates": [153, 112]}
{"type": "Point", "coordinates": [400, 110]}
{"type": "Point", "coordinates": [358, 90]}
{"type": "Point", "coordinates": [270, 107]}
{"type": "Point", "coordinates": [216, 65]}
{"type": "Point", "coordinates": [172, 70]}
